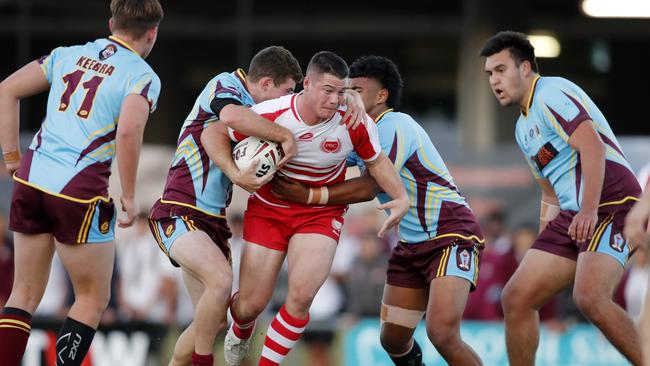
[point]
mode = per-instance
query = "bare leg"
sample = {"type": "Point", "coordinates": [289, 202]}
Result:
{"type": "Point", "coordinates": [200, 257]}
{"type": "Point", "coordinates": [258, 273]}
{"type": "Point", "coordinates": [33, 259]}
{"type": "Point", "coordinates": [185, 343]}
{"type": "Point", "coordinates": [396, 339]}
{"type": "Point", "coordinates": [310, 259]}
{"type": "Point", "coordinates": [539, 277]}
{"type": "Point", "coordinates": [597, 276]}
{"type": "Point", "coordinates": [447, 299]}
{"type": "Point", "coordinates": [90, 267]}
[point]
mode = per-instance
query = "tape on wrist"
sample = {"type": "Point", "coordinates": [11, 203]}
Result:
{"type": "Point", "coordinates": [11, 156]}
{"type": "Point", "coordinates": [324, 196]}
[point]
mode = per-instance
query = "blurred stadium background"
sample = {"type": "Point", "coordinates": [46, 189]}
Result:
{"type": "Point", "coordinates": [602, 45]}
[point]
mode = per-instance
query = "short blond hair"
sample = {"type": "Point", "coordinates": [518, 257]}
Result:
{"type": "Point", "coordinates": [135, 17]}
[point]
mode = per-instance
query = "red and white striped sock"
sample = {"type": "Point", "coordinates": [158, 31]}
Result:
{"type": "Point", "coordinates": [241, 330]}
{"type": "Point", "coordinates": [282, 335]}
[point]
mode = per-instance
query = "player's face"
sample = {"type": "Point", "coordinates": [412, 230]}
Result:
{"type": "Point", "coordinates": [506, 78]}
{"type": "Point", "coordinates": [369, 90]}
{"type": "Point", "coordinates": [271, 91]}
{"type": "Point", "coordinates": [325, 94]}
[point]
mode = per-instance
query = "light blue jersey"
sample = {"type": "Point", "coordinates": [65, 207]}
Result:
{"type": "Point", "coordinates": [193, 180]}
{"type": "Point", "coordinates": [436, 207]}
{"type": "Point", "coordinates": [71, 155]}
{"type": "Point", "coordinates": [555, 109]}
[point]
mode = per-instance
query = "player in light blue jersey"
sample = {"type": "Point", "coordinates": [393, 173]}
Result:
{"type": "Point", "coordinates": [435, 264]}
{"type": "Point", "coordinates": [587, 189]}
{"type": "Point", "coordinates": [100, 96]}
{"type": "Point", "coordinates": [188, 221]}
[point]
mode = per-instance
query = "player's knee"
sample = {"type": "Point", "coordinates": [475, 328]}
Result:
{"type": "Point", "coordinates": [589, 303]}
{"type": "Point", "coordinates": [301, 297]}
{"type": "Point", "coordinates": [392, 344]}
{"type": "Point", "coordinates": [443, 335]}
{"type": "Point", "coordinates": [512, 298]}
{"type": "Point", "coordinates": [219, 286]}
{"type": "Point", "coordinates": [249, 309]}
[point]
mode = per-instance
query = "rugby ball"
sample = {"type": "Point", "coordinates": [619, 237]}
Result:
{"type": "Point", "coordinates": [251, 148]}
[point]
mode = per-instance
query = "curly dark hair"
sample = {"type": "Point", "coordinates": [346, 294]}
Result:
{"type": "Point", "coordinates": [384, 71]}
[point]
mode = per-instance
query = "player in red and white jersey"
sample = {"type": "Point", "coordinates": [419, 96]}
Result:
{"type": "Point", "coordinates": [306, 235]}
{"type": "Point", "coordinates": [322, 148]}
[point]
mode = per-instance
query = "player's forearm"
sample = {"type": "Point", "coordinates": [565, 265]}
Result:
{"type": "Point", "coordinates": [128, 156]}
{"type": "Point", "coordinates": [386, 177]}
{"type": "Point", "coordinates": [592, 161]}
{"type": "Point", "coordinates": [360, 189]}
{"type": "Point", "coordinates": [217, 145]}
{"type": "Point", "coordinates": [249, 123]}
{"type": "Point", "coordinates": [9, 125]}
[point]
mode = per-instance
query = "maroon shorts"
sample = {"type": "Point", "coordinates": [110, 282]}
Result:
{"type": "Point", "coordinates": [607, 238]}
{"type": "Point", "coordinates": [70, 221]}
{"type": "Point", "coordinates": [273, 226]}
{"type": "Point", "coordinates": [168, 222]}
{"type": "Point", "coordinates": [416, 265]}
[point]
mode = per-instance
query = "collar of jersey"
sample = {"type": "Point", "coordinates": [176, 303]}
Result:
{"type": "Point", "coordinates": [382, 114]}
{"type": "Point", "coordinates": [529, 103]}
{"type": "Point", "coordinates": [122, 43]}
{"type": "Point", "coordinates": [241, 75]}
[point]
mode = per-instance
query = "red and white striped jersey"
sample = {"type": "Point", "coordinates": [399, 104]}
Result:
{"type": "Point", "coordinates": [322, 148]}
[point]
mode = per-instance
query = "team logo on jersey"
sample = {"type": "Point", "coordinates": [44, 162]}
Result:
{"type": "Point", "coordinates": [307, 136]}
{"type": "Point", "coordinates": [463, 260]}
{"type": "Point", "coordinates": [331, 145]}
{"type": "Point", "coordinates": [170, 230]}
{"type": "Point", "coordinates": [617, 243]}
{"type": "Point", "coordinates": [107, 52]}
{"type": "Point", "coordinates": [544, 156]}
{"type": "Point", "coordinates": [103, 228]}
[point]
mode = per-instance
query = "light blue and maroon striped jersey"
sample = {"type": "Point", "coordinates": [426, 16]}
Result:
{"type": "Point", "coordinates": [437, 209]}
{"type": "Point", "coordinates": [555, 109]}
{"type": "Point", "coordinates": [71, 154]}
{"type": "Point", "coordinates": [193, 180]}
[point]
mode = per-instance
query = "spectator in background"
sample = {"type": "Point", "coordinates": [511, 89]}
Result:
{"type": "Point", "coordinates": [236, 224]}
{"type": "Point", "coordinates": [496, 233]}
{"type": "Point", "coordinates": [498, 263]}
{"type": "Point", "coordinates": [367, 277]}
{"type": "Point", "coordinates": [148, 287]}
{"type": "Point", "coordinates": [6, 263]}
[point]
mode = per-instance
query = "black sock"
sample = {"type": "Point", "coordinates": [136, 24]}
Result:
{"type": "Point", "coordinates": [412, 358]}
{"type": "Point", "coordinates": [73, 343]}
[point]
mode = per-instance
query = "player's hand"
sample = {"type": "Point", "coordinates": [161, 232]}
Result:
{"type": "Point", "coordinates": [130, 206]}
{"type": "Point", "coordinates": [356, 112]}
{"type": "Point", "coordinates": [398, 209]}
{"type": "Point", "coordinates": [583, 225]}
{"type": "Point", "coordinates": [289, 149]}
{"type": "Point", "coordinates": [637, 225]}
{"type": "Point", "coordinates": [249, 181]}
{"type": "Point", "coordinates": [289, 190]}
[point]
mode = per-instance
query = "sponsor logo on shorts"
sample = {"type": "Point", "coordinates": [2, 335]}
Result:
{"type": "Point", "coordinates": [103, 228]}
{"type": "Point", "coordinates": [170, 230]}
{"type": "Point", "coordinates": [463, 260]}
{"type": "Point", "coordinates": [331, 145]}
{"type": "Point", "coordinates": [107, 52]}
{"type": "Point", "coordinates": [617, 243]}
{"type": "Point", "coordinates": [337, 225]}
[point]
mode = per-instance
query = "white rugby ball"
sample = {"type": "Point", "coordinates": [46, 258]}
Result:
{"type": "Point", "coordinates": [252, 148]}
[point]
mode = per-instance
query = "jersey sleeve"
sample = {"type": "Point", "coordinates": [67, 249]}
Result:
{"type": "Point", "coordinates": [147, 85]}
{"type": "Point", "coordinates": [394, 143]}
{"type": "Point", "coordinates": [365, 140]}
{"type": "Point", "coordinates": [47, 62]}
{"type": "Point", "coordinates": [225, 89]}
{"type": "Point", "coordinates": [563, 111]}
